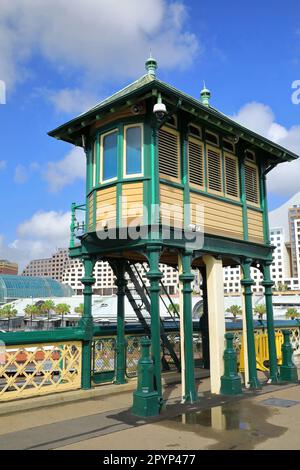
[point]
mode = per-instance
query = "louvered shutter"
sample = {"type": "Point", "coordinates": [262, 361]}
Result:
{"type": "Point", "coordinates": [168, 152]}
{"type": "Point", "coordinates": [251, 184]}
{"type": "Point", "coordinates": [231, 176]}
{"type": "Point", "coordinates": [195, 156]}
{"type": "Point", "coordinates": [214, 169]}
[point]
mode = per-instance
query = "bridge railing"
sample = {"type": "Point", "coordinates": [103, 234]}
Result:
{"type": "Point", "coordinates": [41, 362]}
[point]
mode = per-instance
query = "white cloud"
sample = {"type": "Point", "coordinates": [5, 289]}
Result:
{"type": "Point", "coordinates": [23, 173]}
{"type": "Point", "coordinates": [96, 39]}
{"type": "Point", "coordinates": [64, 172]}
{"type": "Point", "coordinates": [3, 164]}
{"type": "Point", "coordinates": [70, 100]}
{"type": "Point", "coordinates": [284, 179]}
{"type": "Point", "coordinates": [37, 237]}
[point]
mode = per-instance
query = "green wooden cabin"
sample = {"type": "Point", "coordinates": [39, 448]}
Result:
{"type": "Point", "coordinates": [155, 158]}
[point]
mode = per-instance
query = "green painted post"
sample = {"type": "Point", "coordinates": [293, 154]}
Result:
{"type": "Point", "coordinates": [204, 326]}
{"type": "Point", "coordinates": [247, 282]}
{"type": "Point", "coordinates": [186, 278]}
{"type": "Point", "coordinates": [268, 284]}
{"type": "Point", "coordinates": [145, 398]}
{"type": "Point", "coordinates": [154, 275]}
{"type": "Point", "coordinates": [86, 322]}
{"type": "Point", "coordinates": [72, 226]}
{"type": "Point", "coordinates": [230, 382]}
{"type": "Point", "coordinates": [288, 370]}
{"type": "Point", "coordinates": [121, 343]}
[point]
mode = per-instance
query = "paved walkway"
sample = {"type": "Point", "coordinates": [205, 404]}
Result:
{"type": "Point", "coordinates": [264, 420]}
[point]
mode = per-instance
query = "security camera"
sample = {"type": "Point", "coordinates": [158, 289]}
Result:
{"type": "Point", "coordinates": [160, 111]}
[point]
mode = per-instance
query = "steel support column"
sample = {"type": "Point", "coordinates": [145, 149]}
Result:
{"type": "Point", "coordinates": [154, 275]}
{"type": "Point", "coordinates": [121, 342]}
{"type": "Point", "coordinates": [268, 284]}
{"type": "Point", "coordinates": [186, 278]}
{"type": "Point", "coordinates": [247, 282]}
{"type": "Point", "coordinates": [86, 321]}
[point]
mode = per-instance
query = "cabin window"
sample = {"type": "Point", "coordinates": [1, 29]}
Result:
{"type": "Point", "coordinates": [231, 176]}
{"type": "Point", "coordinates": [133, 150]}
{"type": "Point", "coordinates": [251, 183]}
{"type": "Point", "coordinates": [168, 152]}
{"type": "Point", "coordinates": [228, 146]}
{"type": "Point", "coordinates": [196, 161]}
{"type": "Point", "coordinates": [194, 130]}
{"type": "Point", "coordinates": [214, 170]}
{"type": "Point", "coordinates": [250, 156]}
{"type": "Point", "coordinates": [211, 137]}
{"type": "Point", "coordinates": [109, 154]}
{"type": "Point", "coordinates": [172, 121]}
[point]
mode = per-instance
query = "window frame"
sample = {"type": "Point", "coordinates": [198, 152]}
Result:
{"type": "Point", "coordinates": [163, 175]}
{"type": "Point", "coordinates": [209, 190]}
{"type": "Point", "coordinates": [133, 175]}
{"type": "Point", "coordinates": [102, 136]}
{"type": "Point", "coordinates": [208, 141]}
{"type": "Point", "coordinates": [251, 203]}
{"type": "Point", "coordinates": [235, 158]}
{"type": "Point", "coordinates": [200, 142]}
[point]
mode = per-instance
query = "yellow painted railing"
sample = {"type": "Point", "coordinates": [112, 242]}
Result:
{"type": "Point", "coordinates": [38, 369]}
{"type": "Point", "coordinates": [262, 351]}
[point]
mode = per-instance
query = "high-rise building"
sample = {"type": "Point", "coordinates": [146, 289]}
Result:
{"type": "Point", "coordinates": [294, 221]}
{"type": "Point", "coordinates": [70, 271]}
{"type": "Point", "coordinates": [6, 267]}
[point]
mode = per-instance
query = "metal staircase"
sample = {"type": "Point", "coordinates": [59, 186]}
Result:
{"type": "Point", "coordinates": [139, 298]}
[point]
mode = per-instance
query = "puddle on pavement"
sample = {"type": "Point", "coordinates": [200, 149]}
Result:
{"type": "Point", "coordinates": [239, 425]}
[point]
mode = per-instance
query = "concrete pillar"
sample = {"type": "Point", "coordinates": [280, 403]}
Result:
{"type": "Point", "coordinates": [216, 319]}
{"type": "Point", "coordinates": [204, 320]}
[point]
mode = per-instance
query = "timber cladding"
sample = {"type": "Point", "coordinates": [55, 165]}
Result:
{"type": "Point", "coordinates": [132, 204]}
{"type": "Point", "coordinates": [255, 226]}
{"type": "Point", "coordinates": [219, 217]}
{"type": "Point", "coordinates": [90, 212]}
{"type": "Point", "coordinates": [106, 207]}
{"type": "Point", "coordinates": [171, 205]}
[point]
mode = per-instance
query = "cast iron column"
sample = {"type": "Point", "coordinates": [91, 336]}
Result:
{"type": "Point", "coordinates": [121, 342]}
{"type": "Point", "coordinates": [186, 278]}
{"type": "Point", "coordinates": [154, 275]}
{"type": "Point", "coordinates": [86, 321]}
{"type": "Point", "coordinates": [247, 282]}
{"type": "Point", "coordinates": [268, 284]}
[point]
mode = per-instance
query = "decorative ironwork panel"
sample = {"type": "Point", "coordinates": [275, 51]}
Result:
{"type": "Point", "coordinates": [132, 355]}
{"type": "Point", "coordinates": [38, 369]}
{"type": "Point", "coordinates": [103, 355]}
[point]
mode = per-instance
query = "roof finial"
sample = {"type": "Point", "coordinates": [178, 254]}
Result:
{"type": "Point", "coordinates": [205, 95]}
{"type": "Point", "coordinates": [151, 65]}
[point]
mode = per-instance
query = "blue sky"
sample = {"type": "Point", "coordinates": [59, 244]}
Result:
{"type": "Point", "coordinates": [59, 57]}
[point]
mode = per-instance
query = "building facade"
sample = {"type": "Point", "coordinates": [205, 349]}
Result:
{"type": "Point", "coordinates": [70, 271]}
{"type": "Point", "coordinates": [6, 267]}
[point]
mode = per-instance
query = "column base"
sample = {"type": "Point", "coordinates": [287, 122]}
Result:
{"type": "Point", "coordinates": [288, 374]}
{"type": "Point", "coordinates": [254, 384]}
{"type": "Point", "coordinates": [190, 398]}
{"type": "Point", "coordinates": [231, 385]}
{"type": "Point", "coordinates": [145, 405]}
{"type": "Point", "coordinates": [120, 381]}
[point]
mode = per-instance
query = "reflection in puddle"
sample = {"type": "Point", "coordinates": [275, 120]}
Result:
{"type": "Point", "coordinates": [233, 425]}
{"type": "Point", "coordinates": [219, 418]}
